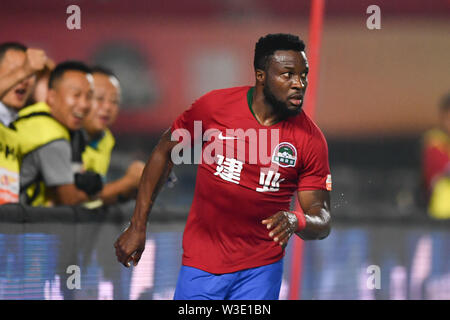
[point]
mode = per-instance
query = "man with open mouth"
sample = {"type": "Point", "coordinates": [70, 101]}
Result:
{"type": "Point", "coordinates": [18, 66]}
{"type": "Point", "coordinates": [51, 142]}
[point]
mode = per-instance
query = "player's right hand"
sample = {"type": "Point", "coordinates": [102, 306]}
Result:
{"type": "Point", "coordinates": [129, 246]}
{"type": "Point", "coordinates": [35, 61]}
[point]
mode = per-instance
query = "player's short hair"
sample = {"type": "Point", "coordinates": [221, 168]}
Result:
{"type": "Point", "coordinates": [65, 66]}
{"type": "Point", "coordinates": [445, 103]}
{"type": "Point", "coordinates": [5, 46]}
{"type": "Point", "coordinates": [267, 45]}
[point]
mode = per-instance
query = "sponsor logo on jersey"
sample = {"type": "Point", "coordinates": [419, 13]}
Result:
{"type": "Point", "coordinates": [222, 137]}
{"type": "Point", "coordinates": [285, 155]}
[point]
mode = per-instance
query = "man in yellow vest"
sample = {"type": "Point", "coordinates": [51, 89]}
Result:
{"type": "Point", "coordinates": [18, 66]}
{"type": "Point", "coordinates": [48, 135]}
{"type": "Point", "coordinates": [436, 164]}
{"type": "Point", "coordinates": [97, 155]}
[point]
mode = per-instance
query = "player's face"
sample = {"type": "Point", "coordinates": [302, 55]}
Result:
{"type": "Point", "coordinates": [71, 98]}
{"type": "Point", "coordinates": [17, 95]}
{"type": "Point", "coordinates": [285, 81]}
{"type": "Point", "coordinates": [105, 105]}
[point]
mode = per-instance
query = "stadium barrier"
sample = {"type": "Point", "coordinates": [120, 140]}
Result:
{"type": "Point", "coordinates": [67, 253]}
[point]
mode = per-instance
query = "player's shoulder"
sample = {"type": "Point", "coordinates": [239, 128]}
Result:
{"type": "Point", "coordinates": [305, 126]}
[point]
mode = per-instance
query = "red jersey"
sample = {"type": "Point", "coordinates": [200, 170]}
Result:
{"type": "Point", "coordinates": [436, 156]}
{"type": "Point", "coordinates": [252, 178]}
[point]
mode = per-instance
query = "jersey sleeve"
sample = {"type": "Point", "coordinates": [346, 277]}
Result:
{"type": "Point", "coordinates": [189, 126]}
{"type": "Point", "coordinates": [315, 172]}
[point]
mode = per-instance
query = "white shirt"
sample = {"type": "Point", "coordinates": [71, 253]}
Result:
{"type": "Point", "coordinates": [7, 115]}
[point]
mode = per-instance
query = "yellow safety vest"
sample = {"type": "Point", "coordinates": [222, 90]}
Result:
{"type": "Point", "coordinates": [97, 155]}
{"type": "Point", "coordinates": [36, 128]}
{"type": "Point", "coordinates": [439, 204]}
{"type": "Point", "coordinates": [9, 165]}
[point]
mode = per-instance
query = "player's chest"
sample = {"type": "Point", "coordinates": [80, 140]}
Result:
{"type": "Point", "coordinates": [263, 159]}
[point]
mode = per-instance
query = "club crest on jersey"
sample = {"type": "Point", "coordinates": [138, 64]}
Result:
{"type": "Point", "coordinates": [285, 155]}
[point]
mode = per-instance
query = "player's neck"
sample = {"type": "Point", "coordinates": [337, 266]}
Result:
{"type": "Point", "coordinates": [264, 112]}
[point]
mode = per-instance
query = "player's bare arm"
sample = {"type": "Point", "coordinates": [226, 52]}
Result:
{"type": "Point", "coordinates": [35, 61]}
{"type": "Point", "coordinates": [316, 207]}
{"type": "Point", "coordinates": [131, 243]}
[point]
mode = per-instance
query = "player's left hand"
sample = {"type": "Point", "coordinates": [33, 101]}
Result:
{"type": "Point", "coordinates": [282, 226]}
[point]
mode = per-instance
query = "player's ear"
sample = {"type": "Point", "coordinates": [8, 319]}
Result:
{"type": "Point", "coordinates": [260, 76]}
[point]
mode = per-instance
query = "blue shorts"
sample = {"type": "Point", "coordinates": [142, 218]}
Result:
{"type": "Point", "coordinates": [260, 283]}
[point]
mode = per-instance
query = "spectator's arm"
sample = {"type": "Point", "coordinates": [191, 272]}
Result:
{"type": "Point", "coordinates": [35, 61]}
{"type": "Point", "coordinates": [10, 79]}
{"type": "Point", "coordinates": [124, 186]}
{"type": "Point", "coordinates": [68, 194]}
